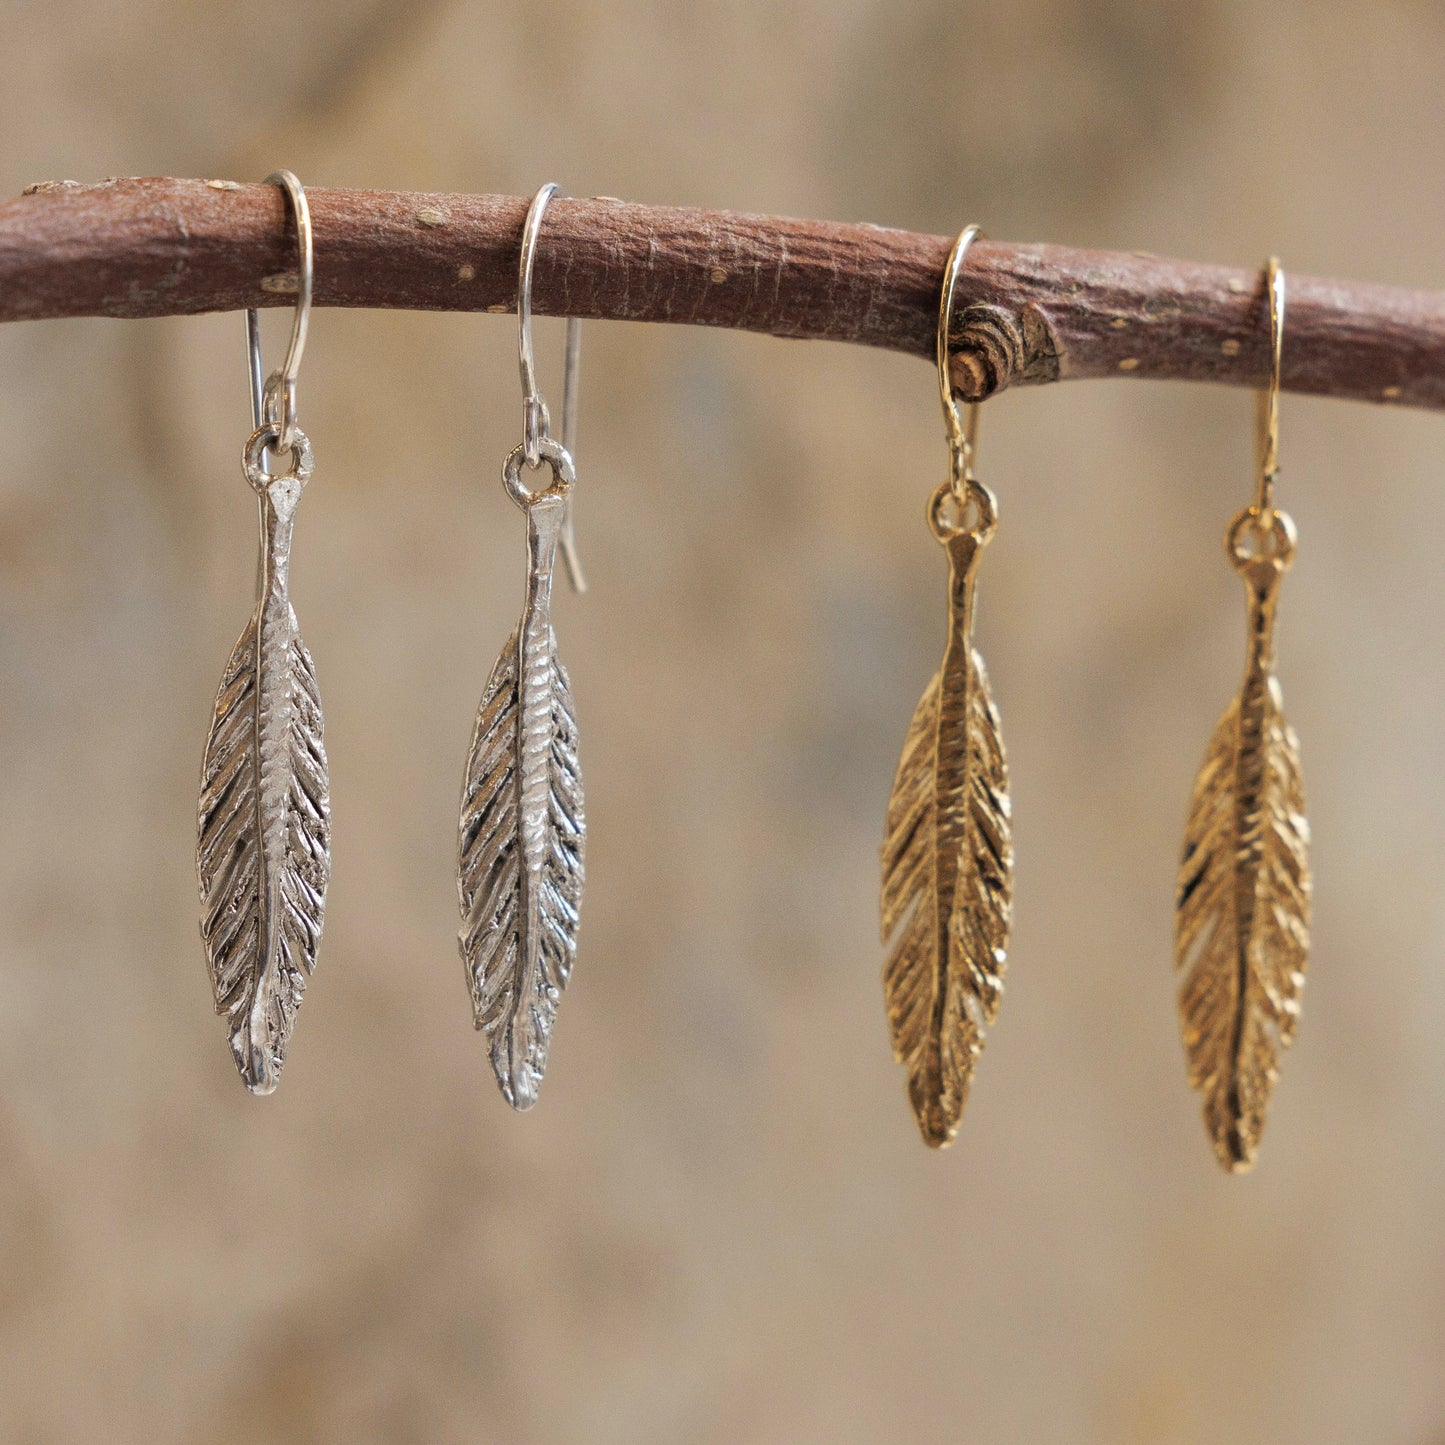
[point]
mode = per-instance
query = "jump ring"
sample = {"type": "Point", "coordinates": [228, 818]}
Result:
{"type": "Point", "coordinates": [1275, 535]}
{"type": "Point", "coordinates": [268, 437]}
{"type": "Point", "coordinates": [974, 492]}
{"type": "Point", "coordinates": [555, 455]}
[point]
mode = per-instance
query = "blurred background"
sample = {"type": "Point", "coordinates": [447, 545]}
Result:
{"type": "Point", "coordinates": [719, 1225]}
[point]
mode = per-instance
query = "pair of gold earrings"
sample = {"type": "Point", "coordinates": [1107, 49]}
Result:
{"type": "Point", "coordinates": [264, 831]}
{"type": "Point", "coordinates": [1242, 904]}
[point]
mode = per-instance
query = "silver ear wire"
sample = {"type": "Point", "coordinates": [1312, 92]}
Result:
{"type": "Point", "coordinates": [536, 420]}
{"type": "Point", "coordinates": [274, 400]}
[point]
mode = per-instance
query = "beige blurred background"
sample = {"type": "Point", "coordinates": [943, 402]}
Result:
{"type": "Point", "coordinates": [719, 1226]}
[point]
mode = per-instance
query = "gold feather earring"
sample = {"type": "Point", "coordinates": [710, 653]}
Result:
{"type": "Point", "coordinates": [947, 849]}
{"type": "Point", "coordinates": [1242, 916]}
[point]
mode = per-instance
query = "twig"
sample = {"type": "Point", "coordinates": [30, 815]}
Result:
{"type": "Point", "coordinates": [1030, 313]}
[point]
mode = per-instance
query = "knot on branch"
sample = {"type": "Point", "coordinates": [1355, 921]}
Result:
{"type": "Point", "coordinates": [994, 348]}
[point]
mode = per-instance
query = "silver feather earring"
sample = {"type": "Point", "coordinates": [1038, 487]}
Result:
{"type": "Point", "coordinates": [520, 845]}
{"type": "Point", "coordinates": [263, 851]}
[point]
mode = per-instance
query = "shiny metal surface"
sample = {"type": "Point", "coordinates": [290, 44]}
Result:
{"type": "Point", "coordinates": [962, 429]}
{"type": "Point", "coordinates": [1242, 916]}
{"type": "Point", "coordinates": [536, 419]}
{"type": "Point", "coordinates": [263, 852]}
{"type": "Point", "coordinates": [278, 395]}
{"type": "Point", "coordinates": [522, 829]}
{"type": "Point", "coordinates": [948, 852]}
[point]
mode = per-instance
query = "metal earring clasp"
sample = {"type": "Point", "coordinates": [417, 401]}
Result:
{"type": "Point", "coordinates": [1261, 530]}
{"type": "Point", "coordinates": [962, 496]}
{"type": "Point", "coordinates": [273, 401]}
{"type": "Point", "coordinates": [1268, 429]}
{"type": "Point", "coordinates": [962, 430]}
{"type": "Point", "coordinates": [536, 420]}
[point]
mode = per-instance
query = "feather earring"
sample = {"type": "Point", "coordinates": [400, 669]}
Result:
{"type": "Point", "coordinates": [264, 830]}
{"type": "Point", "coordinates": [948, 852]}
{"type": "Point", "coordinates": [522, 829]}
{"type": "Point", "coordinates": [1243, 901]}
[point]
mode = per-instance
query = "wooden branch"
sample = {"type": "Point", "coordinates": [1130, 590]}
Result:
{"type": "Point", "coordinates": [1029, 313]}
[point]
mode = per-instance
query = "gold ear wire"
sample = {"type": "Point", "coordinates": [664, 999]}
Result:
{"type": "Point", "coordinates": [962, 431]}
{"type": "Point", "coordinates": [1268, 412]}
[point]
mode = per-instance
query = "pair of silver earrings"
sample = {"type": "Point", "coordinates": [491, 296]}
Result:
{"type": "Point", "coordinates": [264, 831]}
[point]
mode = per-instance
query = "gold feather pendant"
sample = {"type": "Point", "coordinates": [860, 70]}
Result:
{"type": "Point", "coordinates": [948, 852]}
{"type": "Point", "coordinates": [1243, 901]}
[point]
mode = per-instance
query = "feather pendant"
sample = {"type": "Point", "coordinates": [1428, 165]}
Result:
{"type": "Point", "coordinates": [264, 835]}
{"type": "Point", "coordinates": [1243, 901]}
{"type": "Point", "coordinates": [948, 870]}
{"type": "Point", "coordinates": [522, 833]}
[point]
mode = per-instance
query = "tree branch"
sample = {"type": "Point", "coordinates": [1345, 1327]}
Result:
{"type": "Point", "coordinates": [1029, 313]}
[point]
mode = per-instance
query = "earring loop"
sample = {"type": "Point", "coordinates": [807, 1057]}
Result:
{"type": "Point", "coordinates": [962, 430]}
{"type": "Point", "coordinates": [1269, 397]}
{"type": "Point", "coordinates": [274, 401]}
{"type": "Point", "coordinates": [536, 419]}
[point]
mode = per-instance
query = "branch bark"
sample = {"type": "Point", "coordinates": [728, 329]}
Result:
{"type": "Point", "coordinates": [1029, 314]}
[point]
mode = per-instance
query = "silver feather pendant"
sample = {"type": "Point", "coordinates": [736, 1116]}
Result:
{"type": "Point", "coordinates": [948, 857]}
{"type": "Point", "coordinates": [264, 831]}
{"type": "Point", "coordinates": [522, 829]}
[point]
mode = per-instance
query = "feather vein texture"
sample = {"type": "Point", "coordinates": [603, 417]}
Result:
{"type": "Point", "coordinates": [947, 875]}
{"type": "Point", "coordinates": [1242, 915]}
{"type": "Point", "coordinates": [521, 838]}
{"type": "Point", "coordinates": [264, 823]}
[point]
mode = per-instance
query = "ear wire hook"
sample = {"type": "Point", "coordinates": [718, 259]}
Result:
{"type": "Point", "coordinates": [536, 419]}
{"type": "Point", "coordinates": [1269, 397]}
{"type": "Point", "coordinates": [962, 430]}
{"type": "Point", "coordinates": [273, 403]}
